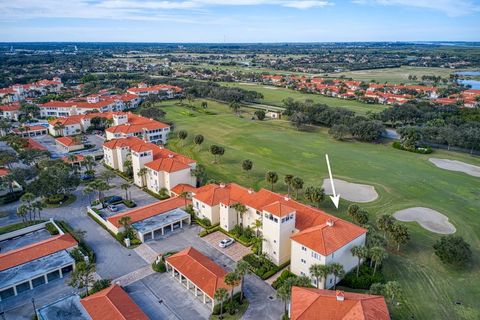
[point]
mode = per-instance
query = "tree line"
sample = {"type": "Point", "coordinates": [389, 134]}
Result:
{"type": "Point", "coordinates": [343, 122]}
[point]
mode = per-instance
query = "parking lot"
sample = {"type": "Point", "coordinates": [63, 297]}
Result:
{"type": "Point", "coordinates": [236, 251]}
{"type": "Point", "coordinates": [49, 142]}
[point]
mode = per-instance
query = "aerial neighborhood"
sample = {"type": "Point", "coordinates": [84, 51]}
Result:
{"type": "Point", "coordinates": [239, 181]}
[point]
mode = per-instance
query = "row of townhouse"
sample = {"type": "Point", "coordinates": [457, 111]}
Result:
{"type": "Point", "coordinates": [468, 98]}
{"type": "Point", "coordinates": [350, 89]}
{"type": "Point", "coordinates": [154, 167]}
{"type": "Point", "coordinates": [124, 124]}
{"type": "Point", "coordinates": [10, 111]}
{"type": "Point", "coordinates": [292, 231]}
{"type": "Point", "coordinates": [93, 103]}
{"type": "Point", "coordinates": [143, 90]}
{"type": "Point", "coordinates": [19, 92]}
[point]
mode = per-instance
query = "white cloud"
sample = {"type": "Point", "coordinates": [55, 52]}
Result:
{"type": "Point", "coordinates": [453, 8]}
{"type": "Point", "coordinates": [178, 10]}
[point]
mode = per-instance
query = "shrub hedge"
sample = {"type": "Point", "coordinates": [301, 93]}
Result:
{"type": "Point", "coordinates": [365, 278]}
{"type": "Point", "coordinates": [421, 150]}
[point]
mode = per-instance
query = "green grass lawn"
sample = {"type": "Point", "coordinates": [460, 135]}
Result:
{"type": "Point", "coordinates": [402, 180]}
{"type": "Point", "coordinates": [275, 95]}
{"type": "Point", "coordinates": [395, 75]}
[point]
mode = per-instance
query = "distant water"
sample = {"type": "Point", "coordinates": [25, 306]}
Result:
{"type": "Point", "coordinates": [468, 73]}
{"type": "Point", "coordinates": [475, 84]}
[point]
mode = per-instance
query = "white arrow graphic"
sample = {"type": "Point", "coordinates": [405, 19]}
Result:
{"type": "Point", "coordinates": [336, 197]}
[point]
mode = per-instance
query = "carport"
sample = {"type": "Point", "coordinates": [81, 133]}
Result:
{"type": "Point", "coordinates": [161, 224]}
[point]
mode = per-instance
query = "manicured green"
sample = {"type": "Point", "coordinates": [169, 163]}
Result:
{"type": "Point", "coordinates": [395, 75]}
{"type": "Point", "coordinates": [275, 96]}
{"type": "Point", "coordinates": [402, 180]}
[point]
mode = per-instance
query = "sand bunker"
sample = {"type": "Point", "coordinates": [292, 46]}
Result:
{"type": "Point", "coordinates": [455, 165]}
{"type": "Point", "coordinates": [351, 191]}
{"type": "Point", "coordinates": [428, 218]}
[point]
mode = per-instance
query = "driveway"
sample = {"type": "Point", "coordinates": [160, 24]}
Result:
{"type": "Point", "coordinates": [161, 297]}
{"type": "Point", "coordinates": [49, 142]}
{"type": "Point", "coordinates": [262, 297]}
{"type": "Point", "coordinates": [236, 251]}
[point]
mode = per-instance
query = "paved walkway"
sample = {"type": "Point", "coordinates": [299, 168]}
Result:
{"type": "Point", "coordinates": [276, 275]}
{"type": "Point", "coordinates": [236, 251]}
{"type": "Point", "coordinates": [134, 276]}
{"type": "Point", "coordinates": [146, 253]}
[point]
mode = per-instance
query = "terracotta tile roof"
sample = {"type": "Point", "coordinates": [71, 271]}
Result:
{"type": "Point", "coordinates": [139, 125]}
{"type": "Point", "coordinates": [11, 107]}
{"type": "Point", "coordinates": [316, 304]}
{"type": "Point", "coordinates": [4, 172]}
{"type": "Point", "coordinates": [112, 303]}
{"type": "Point", "coordinates": [124, 142]}
{"type": "Point", "coordinates": [199, 269]}
{"type": "Point", "coordinates": [32, 144]}
{"type": "Point", "coordinates": [67, 141]}
{"type": "Point", "coordinates": [149, 211]}
{"type": "Point", "coordinates": [36, 250]}
{"type": "Point", "coordinates": [278, 209]}
{"type": "Point", "coordinates": [179, 188]}
{"type": "Point", "coordinates": [226, 194]}
{"type": "Point", "coordinates": [166, 165]}
{"type": "Point", "coordinates": [328, 237]}
{"type": "Point", "coordinates": [78, 158]}
{"type": "Point", "coordinates": [160, 87]}
{"type": "Point", "coordinates": [30, 128]}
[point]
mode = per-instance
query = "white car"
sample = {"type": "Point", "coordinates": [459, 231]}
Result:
{"type": "Point", "coordinates": [226, 242]}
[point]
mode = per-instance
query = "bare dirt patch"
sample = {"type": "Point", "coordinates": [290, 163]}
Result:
{"type": "Point", "coordinates": [429, 219]}
{"type": "Point", "coordinates": [354, 192]}
{"type": "Point", "coordinates": [455, 165]}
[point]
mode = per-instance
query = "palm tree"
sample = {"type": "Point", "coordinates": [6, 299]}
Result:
{"type": "Point", "coordinates": [58, 127]}
{"type": "Point", "coordinates": [258, 224]}
{"type": "Point", "coordinates": [283, 293]}
{"type": "Point", "coordinates": [184, 195]}
{"type": "Point", "coordinates": [360, 252]}
{"type": "Point", "coordinates": [89, 163]}
{"type": "Point", "coordinates": [88, 191]}
{"type": "Point", "coordinates": [385, 223]}
{"type": "Point", "coordinates": [352, 210]}
{"type": "Point", "coordinates": [125, 187]}
{"type": "Point", "coordinates": [28, 199]}
{"type": "Point", "coordinates": [38, 206]}
{"type": "Point", "coordinates": [315, 195]}
{"type": "Point", "coordinates": [182, 135]}
{"type": "Point", "coordinates": [297, 184]}
{"type": "Point", "coordinates": [142, 173]}
{"type": "Point", "coordinates": [337, 270]}
{"type": "Point", "coordinates": [22, 211]}
{"type": "Point", "coordinates": [242, 269]}
{"type": "Point", "coordinates": [235, 106]}
{"type": "Point", "coordinates": [392, 290]}
{"type": "Point", "coordinates": [320, 272]}
{"type": "Point", "coordinates": [377, 254]}
{"type": "Point", "coordinates": [232, 279]}
{"type": "Point", "coordinates": [240, 209]}
{"type": "Point", "coordinates": [99, 186]}
{"type": "Point", "coordinates": [271, 177]}
{"type": "Point", "coordinates": [221, 295]}
{"type": "Point", "coordinates": [288, 182]}
{"type": "Point", "coordinates": [198, 140]}
{"type": "Point", "coordinates": [125, 223]}
{"type": "Point", "coordinates": [247, 165]}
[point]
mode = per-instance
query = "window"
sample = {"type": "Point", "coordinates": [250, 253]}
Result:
{"type": "Point", "coordinates": [333, 255]}
{"type": "Point", "coordinates": [274, 241]}
{"type": "Point", "coordinates": [315, 255]}
{"type": "Point", "coordinates": [303, 261]}
{"type": "Point", "coordinates": [304, 248]}
{"type": "Point", "coordinates": [302, 273]}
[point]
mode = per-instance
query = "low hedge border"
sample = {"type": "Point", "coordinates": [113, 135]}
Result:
{"type": "Point", "coordinates": [155, 195]}
{"type": "Point", "coordinates": [86, 249]}
{"type": "Point", "coordinates": [205, 232]}
{"type": "Point", "coordinates": [426, 149]}
{"type": "Point", "coordinates": [118, 173]}
{"type": "Point", "coordinates": [246, 244]}
{"type": "Point", "coordinates": [106, 229]}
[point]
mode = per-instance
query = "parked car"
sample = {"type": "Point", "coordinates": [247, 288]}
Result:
{"type": "Point", "coordinates": [86, 177]}
{"type": "Point", "coordinates": [112, 208]}
{"type": "Point", "coordinates": [226, 242]}
{"type": "Point", "coordinates": [113, 199]}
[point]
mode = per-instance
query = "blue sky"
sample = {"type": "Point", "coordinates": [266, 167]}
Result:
{"type": "Point", "coordinates": [239, 20]}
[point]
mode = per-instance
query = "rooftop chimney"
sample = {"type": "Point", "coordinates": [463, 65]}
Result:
{"type": "Point", "coordinates": [340, 295]}
{"type": "Point", "coordinates": [330, 223]}
{"type": "Point", "coordinates": [250, 190]}
{"type": "Point", "coordinates": [170, 155]}
{"type": "Point", "coordinates": [222, 185]}
{"type": "Point", "coordinates": [286, 198]}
